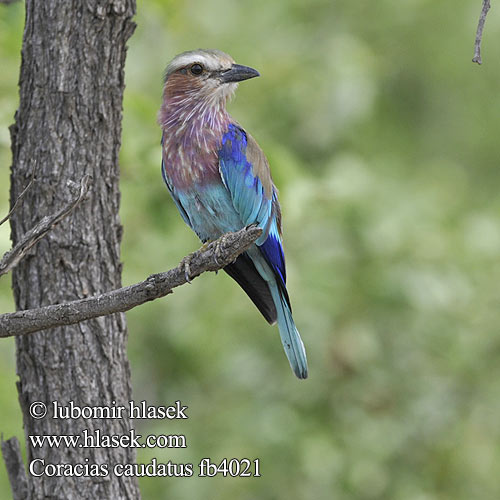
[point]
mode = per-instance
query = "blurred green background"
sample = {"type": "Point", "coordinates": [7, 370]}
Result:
{"type": "Point", "coordinates": [383, 140]}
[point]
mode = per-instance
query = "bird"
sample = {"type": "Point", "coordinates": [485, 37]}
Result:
{"type": "Point", "coordinates": [220, 181]}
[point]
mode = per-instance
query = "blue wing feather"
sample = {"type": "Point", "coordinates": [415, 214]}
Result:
{"type": "Point", "coordinates": [272, 250]}
{"type": "Point", "coordinates": [250, 200]}
{"type": "Point", "coordinates": [246, 189]}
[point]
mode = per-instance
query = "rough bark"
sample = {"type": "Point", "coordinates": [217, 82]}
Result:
{"type": "Point", "coordinates": [69, 122]}
{"type": "Point", "coordinates": [11, 451]}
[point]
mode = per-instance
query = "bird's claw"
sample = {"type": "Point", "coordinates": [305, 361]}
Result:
{"type": "Point", "coordinates": [218, 249]}
{"type": "Point", "coordinates": [186, 261]}
{"type": "Point", "coordinates": [217, 253]}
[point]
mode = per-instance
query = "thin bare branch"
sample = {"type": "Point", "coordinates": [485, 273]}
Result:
{"type": "Point", "coordinates": [13, 459]}
{"type": "Point", "coordinates": [479, 32]}
{"type": "Point", "coordinates": [21, 196]}
{"type": "Point", "coordinates": [210, 257]}
{"type": "Point", "coordinates": [35, 234]}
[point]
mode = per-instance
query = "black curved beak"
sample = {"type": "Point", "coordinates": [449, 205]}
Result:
{"type": "Point", "coordinates": [238, 73]}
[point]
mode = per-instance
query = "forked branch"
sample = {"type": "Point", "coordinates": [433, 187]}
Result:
{"type": "Point", "coordinates": [36, 233]}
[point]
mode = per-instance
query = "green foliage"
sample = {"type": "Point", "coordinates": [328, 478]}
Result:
{"type": "Point", "coordinates": [382, 137]}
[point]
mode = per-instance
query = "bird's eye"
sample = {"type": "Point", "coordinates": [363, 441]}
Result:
{"type": "Point", "coordinates": [196, 69]}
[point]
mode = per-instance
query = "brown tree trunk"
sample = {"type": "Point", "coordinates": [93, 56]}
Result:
{"type": "Point", "coordinates": [69, 125]}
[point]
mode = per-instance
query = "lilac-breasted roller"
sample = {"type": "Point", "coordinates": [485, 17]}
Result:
{"type": "Point", "coordinates": [220, 181]}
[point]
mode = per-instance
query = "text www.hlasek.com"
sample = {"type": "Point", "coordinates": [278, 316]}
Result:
{"type": "Point", "coordinates": [96, 439]}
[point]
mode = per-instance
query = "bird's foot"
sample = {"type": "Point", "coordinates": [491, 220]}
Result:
{"type": "Point", "coordinates": [218, 248]}
{"type": "Point", "coordinates": [206, 245]}
{"type": "Point", "coordinates": [185, 262]}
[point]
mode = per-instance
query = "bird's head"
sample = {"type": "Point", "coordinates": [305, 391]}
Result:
{"type": "Point", "coordinates": [208, 75]}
